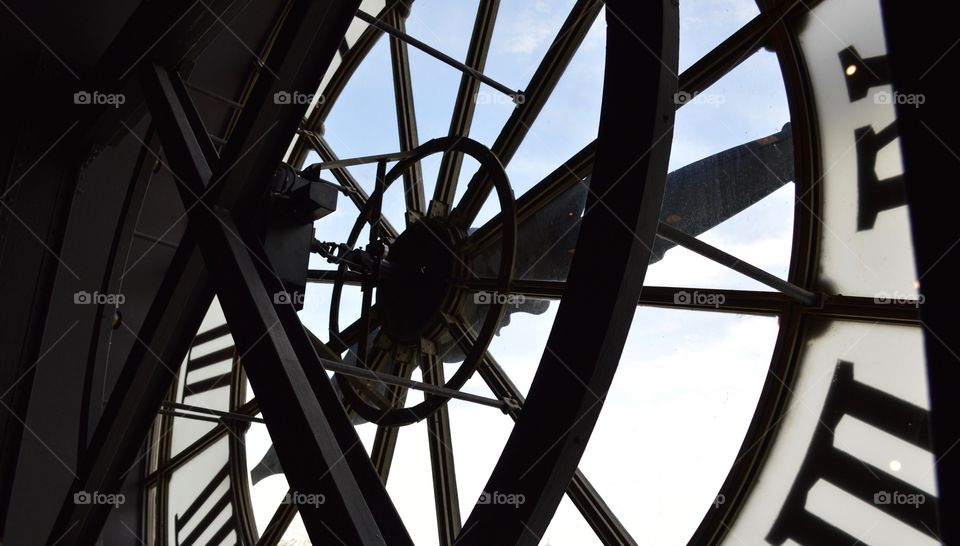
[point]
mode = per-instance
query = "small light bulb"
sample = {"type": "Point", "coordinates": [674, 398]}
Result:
{"type": "Point", "coordinates": [851, 70]}
{"type": "Point", "coordinates": [895, 465]}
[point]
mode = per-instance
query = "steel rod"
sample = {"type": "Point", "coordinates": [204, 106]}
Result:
{"type": "Point", "coordinates": [439, 55]}
{"type": "Point", "coordinates": [173, 413]}
{"type": "Point", "coordinates": [693, 244]}
{"type": "Point", "coordinates": [389, 379]}
{"type": "Point", "coordinates": [210, 411]}
{"type": "Point", "coordinates": [353, 161]}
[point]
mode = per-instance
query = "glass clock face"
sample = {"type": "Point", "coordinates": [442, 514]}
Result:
{"type": "Point", "coordinates": [785, 406]}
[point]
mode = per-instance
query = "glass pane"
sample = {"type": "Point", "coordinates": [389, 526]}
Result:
{"type": "Point", "coordinates": [566, 124]}
{"type": "Point", "coordinates": [731, 177]}
{"type": "Point", "coordinates": [675, 417]}
{"type": "Point", "coordinates": [706, 23]}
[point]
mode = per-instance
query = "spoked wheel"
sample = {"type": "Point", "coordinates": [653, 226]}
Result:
{"type": "Point", "coordinates": [420, 292]}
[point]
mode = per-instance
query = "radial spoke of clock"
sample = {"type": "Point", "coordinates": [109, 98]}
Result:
{"type": "Point", "coordinates": [385, 441]}
{"type": "Point", "coordinates": [740, 266]}
{"type": "Point", "coordinates": [338, 81]}
{"type": "Point", "coordinates": [440, 443]}
{"type": "Point", "coordinates": [406, 117]}
{"type": "Point", "coordinates": [536, 95]}
{"type": "Point", "coordinates": [353, 189]}
{"type": "Point", "coordinates": [464, 106]}
{"type": "Point", "coordinates": [580, 491]}
{"type": "Point", "coordinates": [705, 72]}
{"type": "Point", "coordinates": [366, 319]}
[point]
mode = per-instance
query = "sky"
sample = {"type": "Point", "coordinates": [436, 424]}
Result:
{"type": "Point", "coordinates": [688, 380]}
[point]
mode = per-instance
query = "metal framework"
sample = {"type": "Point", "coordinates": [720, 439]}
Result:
{"type": "Point", "coordinates": [222, 180]}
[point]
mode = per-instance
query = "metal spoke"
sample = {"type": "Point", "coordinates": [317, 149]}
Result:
{"type": "Point", "coordinates": [338, 81]}
{"type": "Point", "coordinates": [464, 106]}
{"type": "Point", "coordinates": [385, 441]}
{"type": "Point", "coordinates": [695, 79]}
{"type": "Point", "coordinates": [581, 356]}
{"type": "Point", "coordinates": [284, 369]}
{"type": "Point", "coordinates": [326, 276]}
{"type": "Point", "coordinates": [538, 91]}
{"type": "Point", "coordinates": [396, 380]}
{"type": "Point", "coordinates": [355, 192]}
{"type": "Point", "coordinates": [693, 244]}
{"type": "Point", "coordinates": [593, 508]}
{"type": "Point", "coordinates": [441, 458]}
{"type": "Point", "coordinates": [406, 117]}
{"type": "Point", "coordinates": [366, 319]}
{"type": "Point", "coordinates": [211, 437]}
{"type": "Point", "coordinates": [348, 336]}
{"type": "Point", "coordinates": [435, 53]}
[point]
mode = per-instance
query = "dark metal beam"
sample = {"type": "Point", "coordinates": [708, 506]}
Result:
{"type": "Point", "coordinates": [385, 441]}
{"type": "Point", "coordinates": [440, 443]}
{"type": "Point", "coordinates": [413, 192]}
{"type": "Point", "coordinates": [355, 191]}
{"type": "Point", "coordinates": [464, 106]}
{"type": "Point", "coordinates": [693, 244]}
{"type": "Point", "coordinates": [310, 35]}
{"type": "Point", "coordinates": [337, 82]}
{"type": "Point", "coordinates": [708, 70]}
{"type": "Point", "coordinates": [300, 419]}
{"type": "Point", "coordinates": [274, 357]}
{"type": "Point", "coordinates": [594, 509]}
{"type": "Point", "coordinates": [618, 229]}
{"type": "Point", "coordinates": [536, 95]}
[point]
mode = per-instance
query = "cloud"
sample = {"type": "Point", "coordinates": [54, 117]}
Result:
{"type": "Point", "coordinates": [530, 28]}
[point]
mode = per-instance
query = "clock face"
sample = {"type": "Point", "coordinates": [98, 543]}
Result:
{"type": "Point", "coordinates": [784, 402]}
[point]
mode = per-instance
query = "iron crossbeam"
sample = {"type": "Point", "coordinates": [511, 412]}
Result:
{"type": "Point", "coordinates": [395, 380]}
{"type": "Point", "coordinates": [581, 357]}
{"type": "Point", "coordinates": [302, 420]}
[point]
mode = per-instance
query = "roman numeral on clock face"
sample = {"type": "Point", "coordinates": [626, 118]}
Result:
{"type": "Point", "coordinates": [196, 520]}
{"type": "Point", "coordinates": [874, 195]}
{"type": "Point", "coordinates": [824, 461]}
{"type": "Point", "coordinates": [211, 371]}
